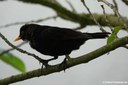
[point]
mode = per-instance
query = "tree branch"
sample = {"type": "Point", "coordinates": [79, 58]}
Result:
{"type": "Point", "coordinates": [19, 49]}
{"type": "Point", "coordinates": [82, 19]}
{"type": "Point", "coordinates": [115, 10]}
{"type": "Point", "coordinates": [106, 18]}
{"type": "Point", "coordinates": [11, 49]}
{"type": "Point", "coordinates": [31, 21]}
{"type": "Point", "coordinates": [92, 16]}
{"type": "Point", "coordinates": [72, 62]}
{"type": "Point", "coordinates": [71, 6]}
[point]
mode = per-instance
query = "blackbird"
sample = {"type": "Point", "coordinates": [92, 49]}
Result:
{"type": "Point", "coordinates": [55, 41]}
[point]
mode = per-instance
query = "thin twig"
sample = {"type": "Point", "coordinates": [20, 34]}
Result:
{"type": "Point", "coordinates": [93, 16]}
{"type": "Point", "coordinates": [111, 6]}
{"type": "Point", "coordinates": [27, 22]}
{"type": "Point", "coordinates": [19, 49]}
{"type": "Point", "coordinates": [106, 18]}
{"type": "Point", "coordinates": [115, 5]}
{"type": "Point", "coordinates": [11, 49]}
{"type": "Point", "coordinates": [73, 9]}
{"type": "Point", "coordinates": [115, 11]}
{"type": "Point", "coordinates": [109, 23]}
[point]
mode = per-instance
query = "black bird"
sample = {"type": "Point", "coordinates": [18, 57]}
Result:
{"type": "Point", "coordinates": [55, 41]}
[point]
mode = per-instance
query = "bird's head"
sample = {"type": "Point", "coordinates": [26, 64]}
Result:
{"type": "Point", "coordinates": [26, 32]}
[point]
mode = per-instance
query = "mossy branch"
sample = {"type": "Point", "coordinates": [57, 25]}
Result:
{"type": "Point", "coordinates": [82, 19]}
{"type": "Point", "coordinates": [72, 62]}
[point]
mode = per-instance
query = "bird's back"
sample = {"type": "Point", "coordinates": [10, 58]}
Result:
{"type": "Point", "coordinates": [56, 41]}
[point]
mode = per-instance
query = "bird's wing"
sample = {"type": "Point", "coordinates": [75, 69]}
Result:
{"type": "Point", "coordinates": [61, 34]}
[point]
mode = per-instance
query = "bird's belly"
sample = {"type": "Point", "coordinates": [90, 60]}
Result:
{"type": "Point", "coordinates": [56, 48]}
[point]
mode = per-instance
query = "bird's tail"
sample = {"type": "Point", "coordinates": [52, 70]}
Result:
{"type": "Point", "coordinates": [97, 35]}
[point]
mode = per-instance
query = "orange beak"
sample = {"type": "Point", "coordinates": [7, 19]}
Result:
{"type": "Point", "coordinates": [18, 38]}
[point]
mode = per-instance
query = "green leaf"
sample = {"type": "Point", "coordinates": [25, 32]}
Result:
{"type": "Point", "coordinates": [116, 30]}
{"type": "Point", "coordinates": [111, 39]}
{"type": "Point", "coordinates": [14, 61]}
{"type": "Point", "coordinates": [114, 34]}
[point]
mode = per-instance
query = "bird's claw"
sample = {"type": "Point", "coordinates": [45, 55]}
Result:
{"type": "Point", "coordinates": [44, 63]}
{"type": "Point", "coordinates": [64, 64]}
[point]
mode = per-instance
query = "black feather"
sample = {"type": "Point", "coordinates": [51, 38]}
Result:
{"type": "Point", "coordinates": [56, 41]}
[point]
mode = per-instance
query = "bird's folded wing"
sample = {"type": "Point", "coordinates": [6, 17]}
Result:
{"type": "Point", "coordinates": [61, 34]}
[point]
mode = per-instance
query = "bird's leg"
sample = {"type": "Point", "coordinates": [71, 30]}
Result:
{"type": "Point", "coordinates": [68, 57]}
{"type": "Point", "coordinates": [45, 62]}
{"type": "Point", "coordinates": [64, 63]}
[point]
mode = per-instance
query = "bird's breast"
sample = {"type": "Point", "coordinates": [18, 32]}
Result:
{"type": "Point", "coordinates": [56, 47]}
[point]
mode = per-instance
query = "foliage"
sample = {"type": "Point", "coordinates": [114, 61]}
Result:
{"type": "Point", "coordinates": [14, 61]}
{"type": "Point", "coordinates": [114, 34]}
